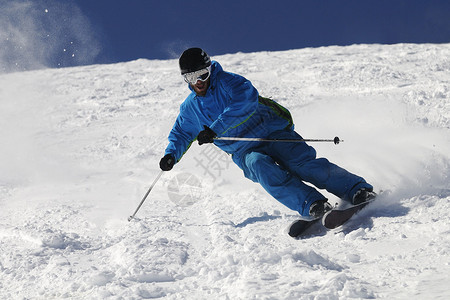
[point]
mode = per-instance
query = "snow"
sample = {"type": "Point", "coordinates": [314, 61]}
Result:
{"type": "Point", "coordinates": [81, 146]}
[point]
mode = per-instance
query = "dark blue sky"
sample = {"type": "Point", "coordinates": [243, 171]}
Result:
{"type": "Point", "coordinates": [76, 32]}
{"type": "Point", "coordinates": [162, 29]}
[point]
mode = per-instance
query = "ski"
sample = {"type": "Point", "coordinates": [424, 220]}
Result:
{"type": "Point", "coordinates": [297, 228]}
{"type": "Point", "coordinates": [332, 218]}
{"type": "Point", "coordinates": [337, 217]}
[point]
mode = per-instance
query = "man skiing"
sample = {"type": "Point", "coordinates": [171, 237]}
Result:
{"type": "Point", "coordinates": [223, 104]}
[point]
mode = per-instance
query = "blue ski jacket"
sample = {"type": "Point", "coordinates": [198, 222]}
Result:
{"type": "Point", "coordinates": [231, 107]}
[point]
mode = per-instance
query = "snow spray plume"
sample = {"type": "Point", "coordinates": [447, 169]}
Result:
{"type": "Point", "coordinates": [173, 49]}
{"type": "Point", "coordinates": [39, 34]}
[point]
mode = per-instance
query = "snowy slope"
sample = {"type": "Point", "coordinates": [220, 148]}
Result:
{"type": "Point", "coordinates": [81, 146]}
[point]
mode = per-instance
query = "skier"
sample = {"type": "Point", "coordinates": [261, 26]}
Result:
{"type": "Point", "coordinates": [223, 104]}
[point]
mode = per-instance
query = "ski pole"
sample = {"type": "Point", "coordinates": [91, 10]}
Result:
{"type": "Point", "coordinates": [145, 197]}
{"type": "Point", "coordinates": [336, 140]}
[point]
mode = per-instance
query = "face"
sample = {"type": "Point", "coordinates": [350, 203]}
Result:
{"type": "Point", "coordinates": [200, 87]}
{"type": "Point", "coordinates": [199, 80]}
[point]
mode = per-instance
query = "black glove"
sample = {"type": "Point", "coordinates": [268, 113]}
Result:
{"type": "Point", "coordinates": [206, 136]}
{"type": "Point", "coordinates": [167, 162]}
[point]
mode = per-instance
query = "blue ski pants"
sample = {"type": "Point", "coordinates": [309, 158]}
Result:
{"type": "Point", "coordinates": [282, 168]}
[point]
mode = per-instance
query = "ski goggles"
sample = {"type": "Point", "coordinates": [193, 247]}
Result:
{"type": "Point", "coordinates": [201, 75]}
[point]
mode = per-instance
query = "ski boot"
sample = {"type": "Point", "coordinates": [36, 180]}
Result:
{"type": "Point", "coordinates": [363, 195]}
{"type": "Point", "coordinates": [319, 208]}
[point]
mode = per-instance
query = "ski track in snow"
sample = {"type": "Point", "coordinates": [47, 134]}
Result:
{"type": "Point", "coordinates": [80, 147]}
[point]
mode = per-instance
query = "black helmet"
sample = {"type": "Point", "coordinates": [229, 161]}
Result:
{"type": "Point", "coordinates": [193, 59]}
